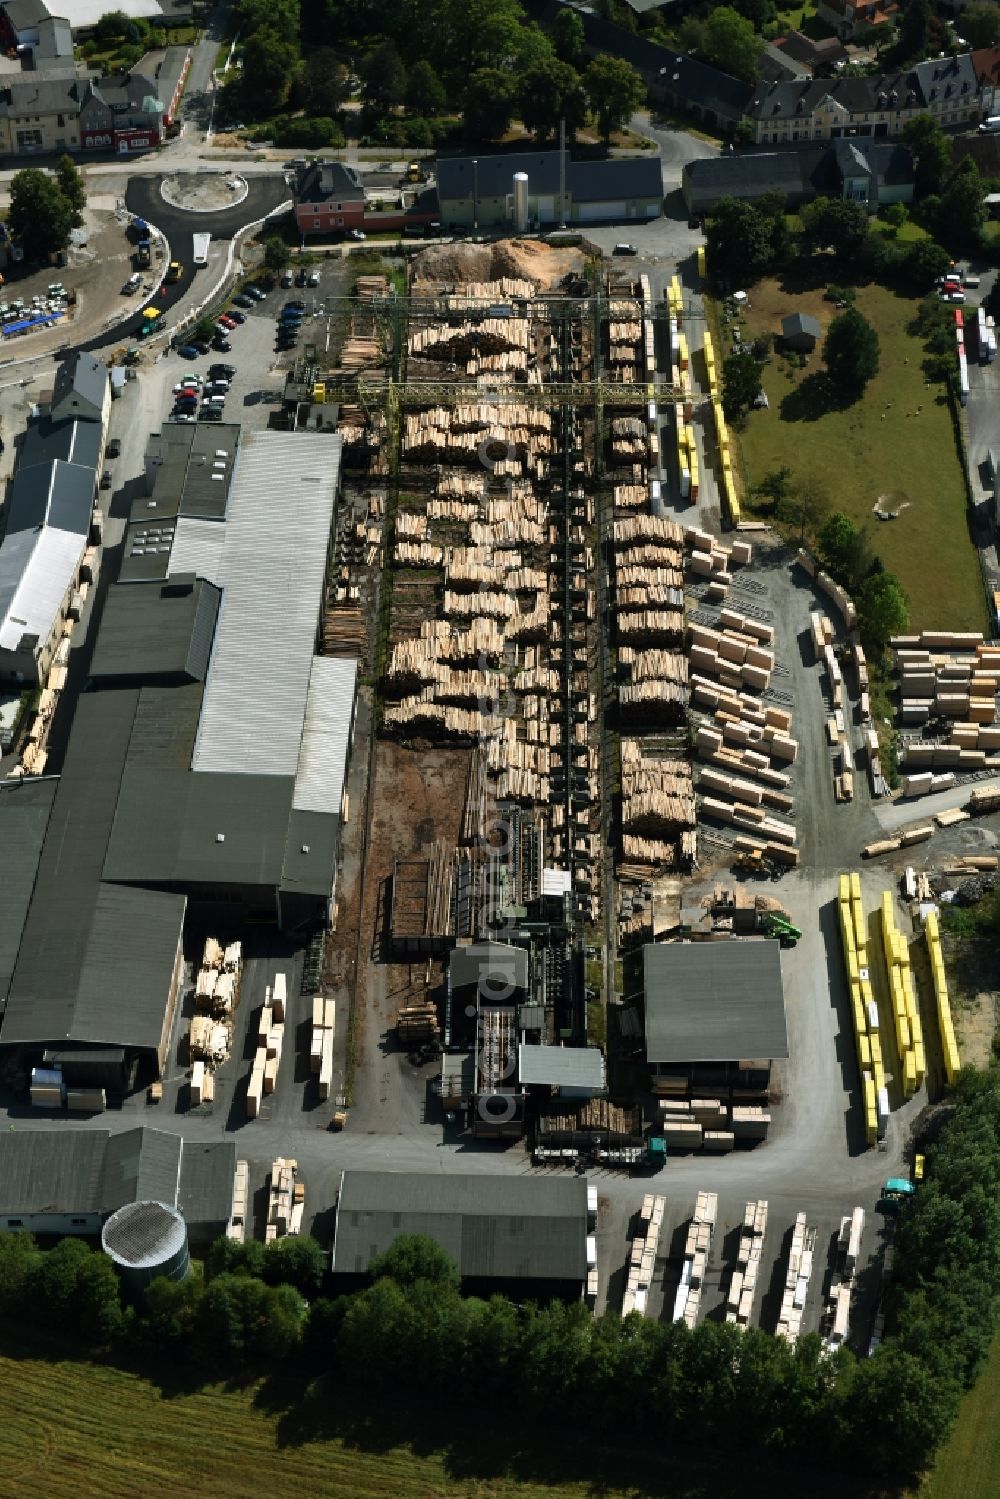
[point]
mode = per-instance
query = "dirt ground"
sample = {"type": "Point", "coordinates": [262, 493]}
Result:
{"type": "Point", "coordinates": [416, 798]}
{"type": "Point", "coordinates": [449, 265]}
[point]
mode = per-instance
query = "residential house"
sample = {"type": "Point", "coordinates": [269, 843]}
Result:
{"type": "Point", "coordinates": [800, 332]}
{"type": "Point", "coordinates": [851, 18]}
{"type": "Point", "coordinates": [777, 66]}
{"type": "Point", "coordinates": [950, 86]}
{"type": "Point", "coordinates": [40, 112]}
{"type": "Point", "coordinates": [986, 62]}
{"type": "Point", "coordinates": [81, 390]}
{"type": "Point", "coordinates": [329, 197]}
{"type": "Point", "coordinates": [61, 109]}
{"type": "Point", "coordinates": [826, 109]}
{"type": "Point", "coordinates": [866, 171]}
{"type": "Point", "coordinates": [816, 55]}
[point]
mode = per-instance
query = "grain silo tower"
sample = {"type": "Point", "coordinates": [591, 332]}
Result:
{"type": "Point", "coordinates": [146, 1240]}
{"type": "Point", "coordinates": [520, 202]}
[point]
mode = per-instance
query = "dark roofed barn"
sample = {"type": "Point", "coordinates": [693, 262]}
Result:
{"type": "Point", "coordinates": [801, 332]}
{"type": "Point", "coordinates": [519, 1235]}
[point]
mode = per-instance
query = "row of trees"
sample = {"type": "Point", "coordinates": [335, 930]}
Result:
{"type": "Point", "coordinates": [716, 1386]}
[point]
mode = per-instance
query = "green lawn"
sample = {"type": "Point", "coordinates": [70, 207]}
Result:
{"type": "Point", "coordinates": [897, 441]}
{"type": "Point", "coordinates": [968, 1466]}
{"type": "Point", "coordinates": [74, 1429]}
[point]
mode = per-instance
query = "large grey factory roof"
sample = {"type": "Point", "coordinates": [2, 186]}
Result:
{"type": "Point", "coordinates": [713, 1001]}
{"type": "Point", "coordinates": [561, 1066]}
{"type": "Point", "coordinates": [153, 630]}
{"type": "Point", "coordinates": [273, 569]}
{"type": "Point", "coordinates": [25, 806]}
{"type": "Point", "coordinates": [197, 547]}
{"type": "Point", "coordinates": [67, 1170]}
{"type": "Point", "coordinates": [496, 1227]}
{"type": "Point", "coordinates": [498, 966]}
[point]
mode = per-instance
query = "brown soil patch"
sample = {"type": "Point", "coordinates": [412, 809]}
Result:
{"type": "Point", "coordinates": [528, 259]}
{"type": "Point", "coordinates": [975, 1020]}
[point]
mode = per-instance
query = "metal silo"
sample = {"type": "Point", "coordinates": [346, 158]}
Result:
{"type": "Point", "coordinates": [146, 1240]}
{"type": "Point", "coordinates": [520, 202]}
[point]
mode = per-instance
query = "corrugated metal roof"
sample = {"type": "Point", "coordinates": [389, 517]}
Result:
{"type": "Point", "coordinates": [151, 630]}
{"type": "Point", "coordinates": [273, 569]}
{"type": "Point", "coordinates": [51, 1171]}
{"type": "Point", "coordinates": [498, 966]}
{"type": "Point", "coordinates": [140, 1164]}
{"type": "Point", "coordinates": [197, 548]}
{"type": "Point", "coordinates": [713, 1001]}
{"type": "Point", "coordinates": [326, 735]}
{"type": "Point", "coordinates": [206, 1189]}
{"type": "Point", "coordinates": [72, 441]}
{"type": "Point", "coordinates": [124, 1002]}
{"type": "Point", "coordinates": [501, 1227]}
{"type": "Point", "coordinates": [36, 569]}
{"type": "Point", "coordinates": [561, 1066]}
{"type": "Point", "coordinates": [25, 807]}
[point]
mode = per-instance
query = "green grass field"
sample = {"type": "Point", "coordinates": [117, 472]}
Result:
{"type": "Point", "coordinates": [895, 442]}
{"type": "Point", "coordinates": [968, 1466]}
{"type": "Point", "coordinates": [86, 1431]}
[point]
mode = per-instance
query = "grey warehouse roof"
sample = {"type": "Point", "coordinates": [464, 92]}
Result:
{"type": "Point", "coordinates": [151, 630]}
{"type": "Point", "coordinates": [586, 181]}
{"type": "Point", "coordinates": [69, 1170]}
{"type": "Point", "coordinates": [322, 769]}
{"type": "Point", "coordinates": [25, 806]}
{"type": "Point", "coordinates": [561, 1066]}
{"type": "Point", "coordinates": [493, 1227]}
{"type": "Point", "coordinates": [272, 573]}
{"type": "Point", "coordinates": [713, 1001]}
{"type": "Point", "coordinates": [73, 441]}
{"type": "Point", "coordinates": [499, 967]}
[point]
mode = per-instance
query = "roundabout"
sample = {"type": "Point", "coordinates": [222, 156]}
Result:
{"type": "Point", "coordinates": [204, 192]}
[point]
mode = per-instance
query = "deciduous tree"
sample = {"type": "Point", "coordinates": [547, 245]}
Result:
{"type": "Point", "coordinates": [729, 40]}
{"type": "Point", "coordinates": [425, 93]}
{"type": "Point", "coordinates": [851, 352]}
{"type": "Point", "coordinates": [931, 153]}
{"type": "Point", "coordinates": [740, 381]}
{"type": "Point", "coordinates": [548, 93]}
{"type": "Point", "coordinates": [615, 91]}
{"type": "Point", "coordinates": [39, 218]}
{"type": "Point", "coordinates": [489, 105]}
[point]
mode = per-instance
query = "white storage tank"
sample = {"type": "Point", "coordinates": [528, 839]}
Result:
{"type": "Point", "coordinates": [146, 1240]}
{"type": "Point", "coordinates": [520, 202]}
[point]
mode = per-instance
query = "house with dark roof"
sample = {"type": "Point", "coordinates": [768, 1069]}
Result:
{"type": "Point", "coordinates": [851, 18]}
{"type": "Point", "coordinates": [824, 54]}
{"type": "Point", "coordinates": [479, 191]}
{"type": "Point", "coordinates": [520, 1236]}
{"type": "Point", "coordinates": [329, 198]}
{"type": "Point", "coordinates": [800, 332]}
{"type": "Point", "coordinates": [68, 1181]}
{"type": "Point", "coordinates": [864, 170]}
{"type": "Point", "coordinates": [82, 391]}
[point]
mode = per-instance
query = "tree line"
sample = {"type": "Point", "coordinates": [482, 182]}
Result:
{"type": "Point", "coordinates": [432, 60]}
{"type": "Point", "coordinates": [716, 1386]}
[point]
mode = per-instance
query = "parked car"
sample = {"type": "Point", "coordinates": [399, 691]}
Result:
{"type": "Point", "coordinates": [132, 284]}
{"type": "Point", "coordinates": [210, 414]}
{"type": "Point", "coordinates": [356, 234]}
{"type": "Point", "coordinates": [242, 300]}
{"type": "Point", "coordinates": [106, 479]}
{"type": "Point", "coordinates": [624, 249]}
{"type": "Point", "coordinates": [182, 416]}
{"type": "Point", "coordinates": [188, 351]}
{"type": "Point", "coordinates": [256, 292]}
{"type": "Point", "coordinates": [314, 278]}
{"type": "Point", "coordinates": [301, 276]}
{"type": "Point", "coordinates": [227, 371]}
{"type": "Point", "coordinates": [287, 278]}
{"type": "Point", "coordinates": [227, 321]}
{"type": "Point", "coordinates": [236, 315]}
{"type": "Point", "coordinates": [115, 447]}
{"type": "Point", "coordinates": [221, 345]}
{"type": "Point", "coordinates": [296, 304]}
{"type": "Point", "coordinates": [200, 346]}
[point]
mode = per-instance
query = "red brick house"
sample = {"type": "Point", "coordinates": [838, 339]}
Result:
{"type": "Point", "coordinates": [329, 197]}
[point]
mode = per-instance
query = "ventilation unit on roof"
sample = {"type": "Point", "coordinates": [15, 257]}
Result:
{"type": "Point", "coordinates": [220, 837]}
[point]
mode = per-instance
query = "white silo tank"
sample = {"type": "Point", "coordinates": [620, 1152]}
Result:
{"type": "Point", "coordinates": [146, 1240]}
{"type": "Point", "coordinates": [520, 202]}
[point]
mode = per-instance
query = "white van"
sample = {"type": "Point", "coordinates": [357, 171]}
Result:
{"type": "Point", "coordinates": [990, 125]}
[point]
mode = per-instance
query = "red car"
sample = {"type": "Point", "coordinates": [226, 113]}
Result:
{"type": "Point", "coordinates": [227, 322]}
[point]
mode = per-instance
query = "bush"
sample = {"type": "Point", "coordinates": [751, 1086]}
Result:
{"type": "Point", "coordinates": [304, 131]}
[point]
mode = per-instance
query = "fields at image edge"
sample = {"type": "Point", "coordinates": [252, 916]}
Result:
{"type": "Point", "coordinates": [968, 1466]}
{"type": "Point", "coordinates": [87, 1431]}
{"type": "Point", "coordinates": [858, 456]}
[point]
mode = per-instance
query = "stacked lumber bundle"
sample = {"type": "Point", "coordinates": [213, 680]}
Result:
{"type": "Point", "coordinates": [864, 1010]}
{"type": "Point", "coordinates": [218, 980]}
{"type": "Point", "coordinates": [629, 496]}
{"type": "Point", "coordinates": [507, 289]}
{"type": "Point", "coordinates": [417, 554]}
{"type": "Point", "coordinates": [736, 659]}
{"type": "Point", "coordinates": [657, 795]}
{"type": "Point", "coordinates": [417, 716]}
{"type": "Point", "coordinates": [843, 1280]}
{"type": "Point", "coordinates": [697, 1248]}
{"type": "Point", "coordinates": [411, 525]}
{"type": "Point", "coordinates": [464, 606]}
{"type": "Point", "coordinates": [798, 1273]}
{"type": "Point", "coordinates": [655, 627]}
{"type": "Point", "coordinates": [237, 1227]}
{"type": "Point", "coordinates": [208, 1040]}
{"type": "Point", "coordinates": [743, 1285]}
{"type": "Point", "coordinates": [838, 596]}
{"type": "Point", "coordinates": [949, 1046]}
{"type": "Point", "coordinates": [983, 800]}
{"type": "Point", "coordinates": [951, 675]}
{"type": "Point", "coordinates": [417, 1023]}
{"type": "Point", "coordinates": [324, 1017]}
{"type": "Point", "coordinates": [286, 1200]}
{"type": "Point", "coordinates": [628, 440]}
{"type": "Point", "coordinates": [370, 288]}
{"type": "Point", "coordinates": [469, 340]}
{"type": "Point", "coordinates": [360, 352]}
{"type": "Point", "coordinates": [906, 1013]}
{"type": "Point", "coordinates": [642, 1255]}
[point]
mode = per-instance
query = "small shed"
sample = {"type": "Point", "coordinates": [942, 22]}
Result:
{"type": "Point", "coordinates": [799, 331]}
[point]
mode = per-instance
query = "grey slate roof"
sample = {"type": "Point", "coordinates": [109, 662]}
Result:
{"type": "Point", "coordinates": [750, 174]}
{"type": "Point", "coordinates": [25, 807]}
{"type": "Point", "coordinates": [24, 14]}
{"type": "Point", "coordinates": [561, 1066]}
{"type": "Point", "coordinates": [73, 1171]}
{"type": "Point", "coordinates": [493, 1227]}
{"type": "Point", "coordinates": [52, 494]}
{"type": "Point", "coordinates": [713, 1001]}
{"type": "Point", "coordinates": [322, 181]}
{"type": "Point", "coordinates": [72, 441]}
{"type": "Point", "coordinates": [620, 177]}
{"type": "Point", "coordinates": [151, 630]}
{"type": "Point", "coordinates": [800, 322]}
{"type": "Point", "coordinates": [79, 388]}
{"type": "Point", "coordinates": [586, 181]}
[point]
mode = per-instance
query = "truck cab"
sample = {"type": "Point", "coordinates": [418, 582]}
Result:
{"type": "Point", "coordinates": [174, 273]}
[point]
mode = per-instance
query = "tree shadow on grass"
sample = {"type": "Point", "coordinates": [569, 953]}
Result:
{"type": "Point", "coordinates": [525, 1451]}
{"type": "Point", "coordinates": [812, 398]}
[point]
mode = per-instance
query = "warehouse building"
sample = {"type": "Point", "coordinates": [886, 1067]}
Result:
{"type": "Point", "coordinates": [206, 764]}
{"type": "Point", "coordinates": [68, 1181]}
{"type": "Point", "coordinates": [479, 191]}
{"type": "Point", "coordinates": [518, 1236]}
{"type": "Point", "coordinates": [49, 516]}
{"type": "Point", "coordinates": [875, 173]}
{"type": "Point", "coordinates": [715, 1011]}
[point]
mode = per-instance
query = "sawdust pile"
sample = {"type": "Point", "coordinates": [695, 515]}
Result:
{"type": "Point", "coordinates": [526, 259]}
